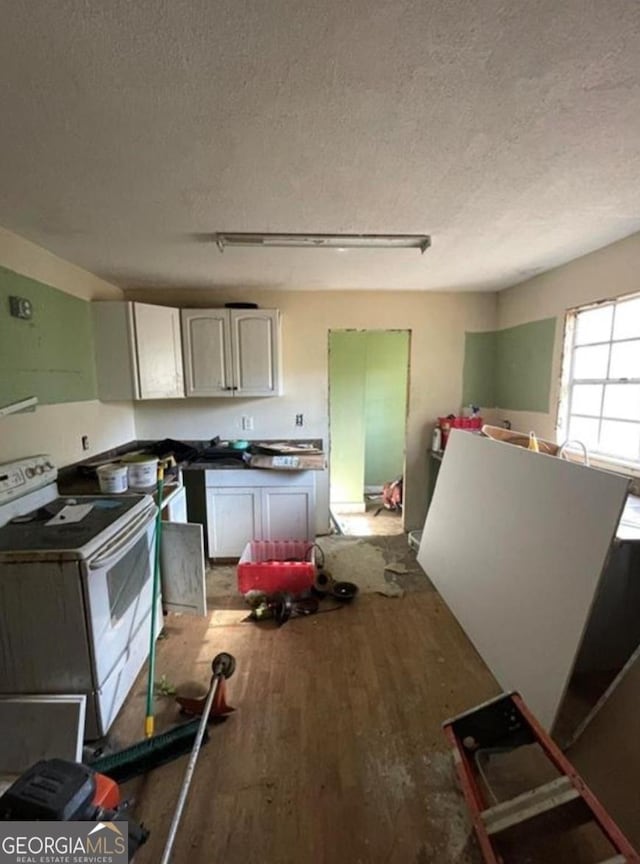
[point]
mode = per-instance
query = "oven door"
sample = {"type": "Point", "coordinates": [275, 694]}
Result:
{"type": "Point", "coordinates": [118, 590]}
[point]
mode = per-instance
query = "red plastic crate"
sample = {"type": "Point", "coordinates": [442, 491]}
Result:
{"type": "Point", "coordinates": [467, 423]}
{"type": "Point", "coordinates": [277, 565]}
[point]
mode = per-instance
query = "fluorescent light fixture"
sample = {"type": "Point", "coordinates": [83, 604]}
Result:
{"type": "Point", "coordinates": [325, 241]}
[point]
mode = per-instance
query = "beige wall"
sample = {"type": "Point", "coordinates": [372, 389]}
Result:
{"type": "Point", "coordinates": [437, 323]}
{"type": "Point", "coordinates": [609, 272]}
{"type": "Point", "coordinates": [58, 429]}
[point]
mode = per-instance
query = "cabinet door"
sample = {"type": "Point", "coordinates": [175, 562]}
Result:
{"type": "Point", "coordinates": [176, 509]}
{"type": "Point", "coordinates": [158, 351]}
{"type": "Point", "coordinates": [288, 513]}
{"type": "Point", "coordinates": [182, 568]}
{"type": "Point", "coordinates": [206, 340]}
{"type": "Point", "coordinates": [234, 517]}
{"type": "Point", "coordinates": [255, 341]}
{"type": "Point", "coordinates": [114, 341]}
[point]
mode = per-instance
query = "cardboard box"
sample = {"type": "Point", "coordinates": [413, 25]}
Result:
{"type": "Point", "coordinates": [289, 462]}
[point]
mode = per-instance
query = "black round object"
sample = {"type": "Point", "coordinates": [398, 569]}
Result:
{"type": "Point", "coordinates": [224, 664]}
{"type": "Point", "coordinates": [241, 305]}
{"type": "Point", "coordinates": [344, 591]}
{"type": "Point", "coordinates": [282, 607]}
{"type": "Point", "coordinates": [323, 583]}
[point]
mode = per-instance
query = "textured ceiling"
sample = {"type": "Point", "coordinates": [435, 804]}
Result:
{"type": "Point", "coordinates": [509, 131]}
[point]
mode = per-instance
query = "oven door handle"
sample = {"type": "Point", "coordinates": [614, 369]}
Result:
{"type": "Point", "coordinates": [114, 550]}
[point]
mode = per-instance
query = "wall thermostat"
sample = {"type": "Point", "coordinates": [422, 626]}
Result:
{"type": "Point", "coordinates": [21, 307]}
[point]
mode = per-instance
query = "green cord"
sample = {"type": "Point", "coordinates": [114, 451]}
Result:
{"type": "Point", "coordinates": [154, 604]}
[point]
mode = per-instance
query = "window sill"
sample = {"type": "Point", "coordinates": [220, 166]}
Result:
{"type": "Point", "coordinates": [608, 463]}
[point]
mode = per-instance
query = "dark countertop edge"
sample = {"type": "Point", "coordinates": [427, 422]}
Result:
{"type": "Point", "coordinates": [67, 473]}
{"type": "Point", "coordinates": [244, 466]}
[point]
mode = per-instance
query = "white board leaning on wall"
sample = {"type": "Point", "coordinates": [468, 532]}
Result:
{"type": "Point", "coordinates": [515, 542]}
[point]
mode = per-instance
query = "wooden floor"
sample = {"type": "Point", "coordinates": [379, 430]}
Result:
{"type": "Point", "coordinates": [335, 753]}
{"type": "Point", "coordinates": [375, 520]}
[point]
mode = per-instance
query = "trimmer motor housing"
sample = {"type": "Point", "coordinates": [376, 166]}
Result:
{"type": "Point", "coordinates": [55, 790]}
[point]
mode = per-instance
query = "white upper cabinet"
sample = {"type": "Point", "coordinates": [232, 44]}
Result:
{"type": "Point", "coordinates": [207, 352]}
{"type": "Point", "coordinates": [138, 351]}
{"type": "Point", "coordinates": [159, 351]}
{"type": "Point", "coordinates": [231, 352]}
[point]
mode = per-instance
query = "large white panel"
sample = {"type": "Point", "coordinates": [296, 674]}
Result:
{"type": "Point", "coordinates": [515, 542]}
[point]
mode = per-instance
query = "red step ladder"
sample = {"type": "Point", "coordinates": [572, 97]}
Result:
{"type": "Point", "coordinates": [506, 723]}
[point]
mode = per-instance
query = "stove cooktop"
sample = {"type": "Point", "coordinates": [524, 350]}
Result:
{"type": "Point", "coordinates": [31, 533]}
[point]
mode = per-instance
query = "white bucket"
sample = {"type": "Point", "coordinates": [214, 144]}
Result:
{"type": "Point", "coordinates": [143, 471]}
{"type": "Point", "coordinates": [112, 478]}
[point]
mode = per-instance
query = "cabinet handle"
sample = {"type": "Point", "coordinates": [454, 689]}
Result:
{"type": "Point", "coordinates": [227, 388]}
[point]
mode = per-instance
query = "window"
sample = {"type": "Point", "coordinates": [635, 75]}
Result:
{"type": "Point", "coordinates": [601, 407]}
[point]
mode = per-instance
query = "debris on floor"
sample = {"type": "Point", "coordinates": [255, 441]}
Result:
{"type": "Point", "coordinates": [282, 606]}
{"type": "Point", "coordinates": [361, 561]}
{"type": "Point", "coordinates": [164, 687]}
{"type": "Point", "coordinates": [397, 567]}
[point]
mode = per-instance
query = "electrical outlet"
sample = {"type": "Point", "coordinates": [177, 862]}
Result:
{"type": "Point", "coordinates": [299, 420]}
{"type": "Point", "coordinates": [85, 442]}
{"type": "Point", "coordinates": [247, 424]}
{"type": "Point", "coordinates": [20, 307]}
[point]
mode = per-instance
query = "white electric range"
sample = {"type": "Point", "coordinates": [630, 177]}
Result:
{"type": "Point", "coordinates": [75, 590]}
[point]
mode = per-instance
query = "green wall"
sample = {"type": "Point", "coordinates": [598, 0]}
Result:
{"type": "Point", "coordinates": [479, 372]}
{"type": "Point", "coordinates": [385, 405]}
{"type": "Point", "coordinates": [50, 356]}
{"type": "Point", "coordinates": [367, 402]}
{"type": "Point", "coordinates": [347, 356]}
{"type": "Point", "coordinates": [510, 368]}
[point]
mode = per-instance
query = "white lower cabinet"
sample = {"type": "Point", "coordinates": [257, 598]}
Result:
{"type": "Point", "coordinates": [248, 504]}
{"type": "Point", "coordinates": [234, 516]}
{"type": "Point", "coordinates": [287, 513]}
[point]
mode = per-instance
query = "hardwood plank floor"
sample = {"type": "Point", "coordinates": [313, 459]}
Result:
{"type": "Point", "coordinates": [335, 753]}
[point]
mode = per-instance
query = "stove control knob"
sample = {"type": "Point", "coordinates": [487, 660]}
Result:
{"type": "Point", "coordinates": [39, 469]}
{"type": "Point", "coordinates": [48, 466]}
{"type": "Point", "coordinates": [30, 472]}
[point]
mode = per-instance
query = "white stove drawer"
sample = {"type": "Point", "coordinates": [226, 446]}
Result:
{"type": "Point", "coordinates": [105, 703]}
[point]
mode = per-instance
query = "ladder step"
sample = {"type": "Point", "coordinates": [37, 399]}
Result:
{"type": "Point", "coordinates": [529, 805]}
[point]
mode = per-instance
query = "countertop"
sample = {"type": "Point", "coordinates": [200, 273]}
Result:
{"type": "Point", "coordinates": [217, 465]}
{"type": "Point", "coordinates": [629, 526]}
{"type": "Point", "coordinates": [72, 476]}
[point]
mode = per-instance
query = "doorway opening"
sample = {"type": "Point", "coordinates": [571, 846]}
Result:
{"type": "Point", "coordinates": [368, 400]}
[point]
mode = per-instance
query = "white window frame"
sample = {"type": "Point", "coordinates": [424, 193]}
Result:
{"type": "Point", "coordinates": [567, 382]}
